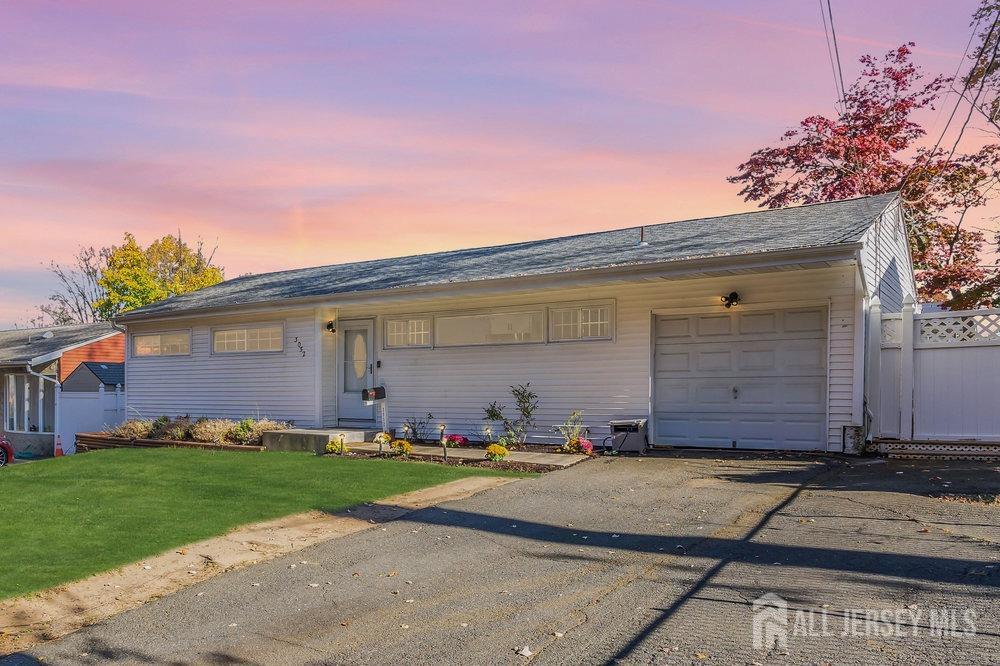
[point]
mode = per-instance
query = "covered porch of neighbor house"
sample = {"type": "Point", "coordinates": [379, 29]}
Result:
{"type": "Point", "coordinates": [30, 407]}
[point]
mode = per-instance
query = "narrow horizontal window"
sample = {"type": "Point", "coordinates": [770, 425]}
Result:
{"type": "Point", "coordinates": [585, 322]}
{"type": "Point", "coordinates": [250, 339]}
{"type": "Point", "coordinates": [161, 344]}
{"type": "Point", "coordinates": [494, 328]}
{"type": "Point", "coordinates": [408, 332]}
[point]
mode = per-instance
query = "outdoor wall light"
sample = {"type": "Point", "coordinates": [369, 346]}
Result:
{"type": "Point", "coordinates": [731, 300]}
{"type": "Point", "coordinates": [331, 326]}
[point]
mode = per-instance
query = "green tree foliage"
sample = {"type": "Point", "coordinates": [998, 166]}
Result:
{"type": "Point", "coordinates": [137, 276]}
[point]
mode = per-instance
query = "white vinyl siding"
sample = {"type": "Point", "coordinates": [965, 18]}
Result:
{"type": "Point", "coordinates": [886, 261]}
{"type": "Point", "coordinates": [256, 339]}
{"type": "Point", "coordinates": [280, 385]}
{"type": "Point", "coordinates": [162, 344]}
{"type": "Point", "coordinates": [611, 378]}
{"type": "Point", "coordinates": [489, 328]}
{"type": "Point", "coordinates": [408, 332]}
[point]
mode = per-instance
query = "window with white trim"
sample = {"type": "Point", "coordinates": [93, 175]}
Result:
{"type": "Point", "coordinates": [582, 322]}
{"type": "Point", "coordinates": [492, 328]}
{"type": "Point", "coordinates": [162, 344]}
{"type": "Point", "coordinates": [29, 403]}
{"type": "Point", "coordinates": [408, 332]}
{"type": "Point", "coordinates": [248, 339]}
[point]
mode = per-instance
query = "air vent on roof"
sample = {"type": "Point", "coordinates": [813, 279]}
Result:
{"type": "Point", "coordinates": [642, 237]}
{"type": "Point", "coordinates": [41, 336]}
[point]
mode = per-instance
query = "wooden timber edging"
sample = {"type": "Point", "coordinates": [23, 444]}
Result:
{"type": "Point", "coordinates": [90, 441]}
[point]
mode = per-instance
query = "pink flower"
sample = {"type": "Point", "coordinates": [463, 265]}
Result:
{"type": "Point", "coordinates": [586, 446]}
{"type": "Point", "coordinates": [457, 440]}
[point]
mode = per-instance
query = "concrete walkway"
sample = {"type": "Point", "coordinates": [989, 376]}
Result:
{"type": "Point", "coordinates": [529, 457]}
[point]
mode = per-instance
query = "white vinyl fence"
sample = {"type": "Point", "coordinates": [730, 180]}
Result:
{"type": "Point", "coordinates": [87, 412]}
{"type": "Point", "coordinates": [938, 375]}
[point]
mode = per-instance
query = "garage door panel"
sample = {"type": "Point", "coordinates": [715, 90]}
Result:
{"type": "Point", "coordinates": [776, 361]}
{"type": "Point", "coordinates": [707, 326]}
{"type": "Point", "coordinates": [758, 322]}
{"type": "Point", "coordinates": [801, 321]}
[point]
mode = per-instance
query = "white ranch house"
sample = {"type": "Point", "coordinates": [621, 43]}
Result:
{"type": "Point", "coordinates": [627, 323]}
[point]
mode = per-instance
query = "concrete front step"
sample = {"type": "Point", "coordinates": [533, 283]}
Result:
{"type": "Point", "coordinates": [314, 440]}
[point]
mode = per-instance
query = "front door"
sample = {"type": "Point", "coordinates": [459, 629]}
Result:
{"type": "Point", "coordinates": [358, 369]}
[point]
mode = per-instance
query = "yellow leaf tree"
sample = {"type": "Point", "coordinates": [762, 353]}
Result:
{"type": "Point", "coordinates": [137, 276]}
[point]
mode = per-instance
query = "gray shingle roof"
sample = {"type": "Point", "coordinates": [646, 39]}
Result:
{"type": "Point", "coordinates": [816, 225]}
{"type": "Point", "coordinates": [109, 374]}
{"type": "Point", "coordinates": [21, 345]}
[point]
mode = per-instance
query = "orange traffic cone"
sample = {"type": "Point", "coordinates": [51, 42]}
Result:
{"type": "Point", "coordinates": [59, 451]}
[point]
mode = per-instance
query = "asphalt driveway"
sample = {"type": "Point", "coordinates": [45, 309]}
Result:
{"type": "Point", "coordinates": [653, 560]}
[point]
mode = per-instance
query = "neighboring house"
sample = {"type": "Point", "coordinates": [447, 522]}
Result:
{"type": "Point", "coordinates": [33, 362]}
{"type": "Point", "coordinates": [623, 323]}
{"type": "Point", "coordinates": [92, 375]}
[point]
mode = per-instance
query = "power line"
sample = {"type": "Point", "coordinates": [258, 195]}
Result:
{"type": "Point", "coordinates": [958, 103]}
{"type": "Point", "coordinates": [836, 50]}
{"type": "Point", "coordinates": [829, 53]}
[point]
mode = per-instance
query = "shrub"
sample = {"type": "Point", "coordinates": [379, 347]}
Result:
{"type": "Point", "coordinates": [159, 427]}
{"type": "Point", "coordinates": [456, 440]}
{"type": "Point", "coordinates": [414, 427]}
{"type": "Point", "coordinates": [338, 446]}
{"type": "Point", "coordinates": [179, 429]}
{"type": "Point", "coordinates": [515, 430]}
{"type": "Point", "coordinates": [250, 431]}
{"type": "Point", "coordinates": [401, 447]}
{"type": "Point", "coordinates": [131, 429]}
{"type": "Point", "coordinates": [212, 430]}
{"type": "Point", "coordinates": [574, 428]}
{"type": "Point", "coordinates": [496, 452]}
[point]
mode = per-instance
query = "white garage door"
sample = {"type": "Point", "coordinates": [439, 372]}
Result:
{"type": "Point", "coordinates": [742, 379]}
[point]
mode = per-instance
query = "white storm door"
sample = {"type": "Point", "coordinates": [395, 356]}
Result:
{"type": "Point", "coordinates": [357, 369]}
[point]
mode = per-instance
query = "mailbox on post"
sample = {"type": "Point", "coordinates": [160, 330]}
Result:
{"type": "Point", "coordinates": [371, 395]}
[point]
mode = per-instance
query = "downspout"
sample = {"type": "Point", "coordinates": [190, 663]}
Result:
{"type": "Point", "coordinates": [57, 386]}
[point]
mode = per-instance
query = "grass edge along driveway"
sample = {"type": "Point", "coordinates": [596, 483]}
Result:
{"type": "Point", "coordinates": [68, 518]}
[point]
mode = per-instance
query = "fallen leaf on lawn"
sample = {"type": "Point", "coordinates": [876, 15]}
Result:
{"type": "Point", "coordinates": [700, 655]}
{"type": "Point", "coordinates": [464, 624]}
{"type": "Point", "coordinates": [558, 634]}
{"type": "Point", "coordinates": [344, 623]}
{"type": "Point", "coordinates": [182, 551]}
{"type": "Point", "coordinates": [409, 601]}
{"type": "Point", "coordinates": [392, 574]}
{"type": "Point", "coordinates": [313, 584]}
{"type": "Point", "coordinates": [526, 652]}
{"type": "Point", "coordinates": [404, 626]}
{"type": "Point", "coordinates": [923, 530]}
{"type": "Point", "coordinates": [356, 573]}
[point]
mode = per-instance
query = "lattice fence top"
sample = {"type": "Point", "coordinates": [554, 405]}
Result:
{"type": "Point", "coordinates": [958, 328]}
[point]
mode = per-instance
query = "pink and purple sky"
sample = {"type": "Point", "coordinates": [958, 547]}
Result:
{"type": "Point", "coordinates": [301, 133]}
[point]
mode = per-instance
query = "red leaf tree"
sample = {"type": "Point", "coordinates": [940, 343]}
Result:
{"type": "Point", "coordinates": [869, 148]}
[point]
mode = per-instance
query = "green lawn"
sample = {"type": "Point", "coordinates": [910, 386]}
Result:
{"type": "Point", "coordinates": [67, 518]}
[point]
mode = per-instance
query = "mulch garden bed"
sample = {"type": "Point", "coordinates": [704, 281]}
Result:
{"type": "Point", "coordinates": [504, 465]}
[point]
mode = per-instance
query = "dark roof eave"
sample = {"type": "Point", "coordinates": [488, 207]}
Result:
{"type": "Point", "coordinates": [848, 250]}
